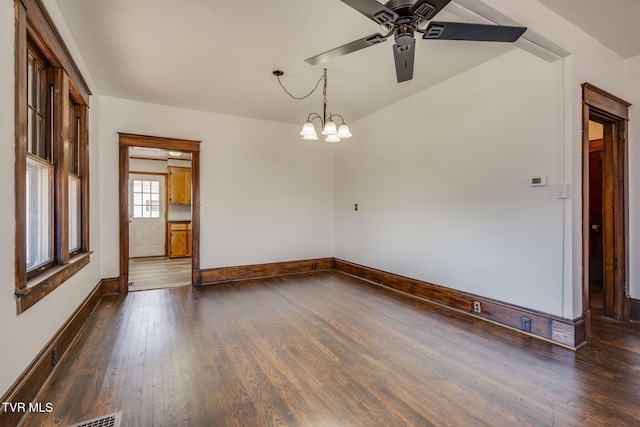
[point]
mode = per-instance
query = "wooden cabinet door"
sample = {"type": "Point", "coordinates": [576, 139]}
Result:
{"type": "Point", "coordinates": [177, 243]}
{"type": "Point", "coordinates": [179, 185]}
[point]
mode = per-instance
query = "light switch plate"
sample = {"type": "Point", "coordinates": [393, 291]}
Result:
{"type": "Point", "coordinates": [562, 191]}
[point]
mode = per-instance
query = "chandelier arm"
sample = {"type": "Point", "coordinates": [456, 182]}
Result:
{"type": "Point", "coordinates": [301, 97]}
{"type": "Point", "coordinates": [314, 116]}
{"type": "Point", "coordinates": [337, 115]}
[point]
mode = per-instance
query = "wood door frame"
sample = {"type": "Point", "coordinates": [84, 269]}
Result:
{"type": "Point", "coordinates": [613, 113]}
{"type": "Point", "coordinates": [127, 140]}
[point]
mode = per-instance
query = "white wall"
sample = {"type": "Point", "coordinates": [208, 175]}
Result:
{"type": "Point", "coordinates": [378, 238]}
{"type": "Point", "coordinates": [632, 95]}
{"type": "Point", "coordinates": [23, 336]}
{"type": "Point", "coordinates": [441, 182]}
{"type": "Point", "coordinates": [589, 61]}
{"type": "Point", "coordinates": [270, 193]}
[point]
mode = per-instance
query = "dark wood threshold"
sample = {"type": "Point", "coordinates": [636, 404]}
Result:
{"type": "Point", "coordinates": [26, 388]}
{"type": "Point", "coordinates": [42, 285]}
{"type": "Point", "coordinates": [255, 271]}
{"type": "Point", "coordinates": [564, 332]}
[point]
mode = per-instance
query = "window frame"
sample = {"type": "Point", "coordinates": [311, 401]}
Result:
{"type": "Point", "coordinates": [35, 34]}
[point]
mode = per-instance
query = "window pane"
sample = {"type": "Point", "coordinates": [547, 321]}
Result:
{"type": "Point", "coordinates": [38, 214]}
{"type": "Point", "coordinates": [74, 214]}
{"type": "Point", "coordinates": [146, 199]}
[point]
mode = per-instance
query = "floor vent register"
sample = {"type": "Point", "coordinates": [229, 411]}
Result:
{"type": "Point", "coordinates": [111, 420]}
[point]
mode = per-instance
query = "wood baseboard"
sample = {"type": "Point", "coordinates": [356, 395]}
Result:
{"type": "Point", "coordinates": [568, 333]}
{"type": "Point", "coordinates": [256, 271]}
{"type": "Point", "coordinates": [26, 388]}
{"type": "Point", "coordinates": [110, 286]}
{"type": "Point", "coordinates": [635, 309]}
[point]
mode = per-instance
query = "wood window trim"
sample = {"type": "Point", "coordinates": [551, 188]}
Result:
{"type": "Point", "coordinates": [35, 30]}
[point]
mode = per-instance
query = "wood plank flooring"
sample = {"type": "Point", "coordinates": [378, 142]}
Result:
{"type": "Point", "coordinates": [158, 272]}
{"type": "Point", "coordinates": [325, 349]}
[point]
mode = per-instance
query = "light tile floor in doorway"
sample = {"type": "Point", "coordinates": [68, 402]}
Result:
{"type": "Point", "coordinates": [158, 272]}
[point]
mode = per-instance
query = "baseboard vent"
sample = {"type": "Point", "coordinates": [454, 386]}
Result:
{"type": "Point", "coordinates": [111, 420]}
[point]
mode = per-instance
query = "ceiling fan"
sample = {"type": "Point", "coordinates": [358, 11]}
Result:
{"type": "Point", "coordinates": [402, 19]}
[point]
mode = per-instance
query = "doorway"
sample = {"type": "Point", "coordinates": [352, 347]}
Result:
{"type": "Point", "coordinates": [144, 227]}
{"type": "Point", "coordinates": [605, 193]}
{"type": "Point", "coordinates": [596, 240]}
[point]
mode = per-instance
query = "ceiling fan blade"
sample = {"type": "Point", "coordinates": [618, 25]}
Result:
{"type": "Point", "coordinates": [427, 9]}
{"type": "Point", "coordinates": [347, 48]}
{"type": "Point", "coordinates": [404, 55]}
{"type": "Point", "coordinates": [373, 10]}
{"type": "Point", "coordinates": [474, 32]}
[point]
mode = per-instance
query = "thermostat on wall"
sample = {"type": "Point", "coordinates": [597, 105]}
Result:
{"type": "Point", "coordinates": [537, 181]}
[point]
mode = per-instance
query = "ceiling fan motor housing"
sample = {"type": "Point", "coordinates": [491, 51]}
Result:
{"type": "Point", "coordinates": [404, 34]}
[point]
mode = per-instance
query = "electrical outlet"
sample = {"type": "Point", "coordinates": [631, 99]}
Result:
{"type": "Point", "coordinates": [476, 307]}
{"type": "Point", "coordinates": [526, 324]}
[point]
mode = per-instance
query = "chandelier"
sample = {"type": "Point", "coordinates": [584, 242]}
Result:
{"type": "Point", "coordinates": [333, 132]}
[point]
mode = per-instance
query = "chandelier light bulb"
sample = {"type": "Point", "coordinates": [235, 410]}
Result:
{"type": "Point", "coordinates": [330, 128]}
{"type": "Point", "coordinates": [332, 138]}
{"type": "Point", "coordinates": [343, 131]}
{"type": "Point", "coordinates": [313, 137]}
{"type": "Point", "coordinates": [308, 129]}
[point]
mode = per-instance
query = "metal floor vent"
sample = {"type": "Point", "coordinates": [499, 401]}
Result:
{"type": "Point", "coordinates": [111, 420]}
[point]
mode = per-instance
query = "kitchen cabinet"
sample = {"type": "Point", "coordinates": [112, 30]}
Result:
{"type": "Point", "coordinates": [179, 239]}
{"type": "Point", "coordinates": [179, 185]}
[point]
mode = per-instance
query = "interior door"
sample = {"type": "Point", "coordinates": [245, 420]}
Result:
{"type": "Point", "coordinates": [596, 242]}
{"type": "Point", "coordinates": [147, 218]}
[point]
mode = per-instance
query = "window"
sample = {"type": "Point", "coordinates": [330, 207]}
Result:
{"type": "Point", "coordinates": [52, 192]}
{"type": "Point", "coordinates": [146, 199]}
{"type": "Point", "coordinates": [75, 151]}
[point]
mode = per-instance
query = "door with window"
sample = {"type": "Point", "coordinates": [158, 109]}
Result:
{"type": "Point", "coordinates": [147, 217]}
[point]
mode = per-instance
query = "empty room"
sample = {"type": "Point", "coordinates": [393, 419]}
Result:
{"type": "Point", "coordinates": [319, 213]}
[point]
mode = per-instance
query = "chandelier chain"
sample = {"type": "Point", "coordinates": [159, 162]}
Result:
{"type": "Point", "coordinates": [307, 95]}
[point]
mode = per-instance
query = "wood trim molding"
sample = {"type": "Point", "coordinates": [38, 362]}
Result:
{"type": "Point", "coordinates": [256, 271]}
{"type": "Point", "coordinates": [40, 19]}
{"type": "Point", "coordinates": [110, 286]}
{"type": "Point", "coordinates": [127, 140]}
{"type": "Point", "coordinates": [27, 386]}
{"type": "Point", "coordinates": [47, 282]}
{"type": "Point", "coordinates": [147, 141]}
{"type": "Point", "coordinates": [635, 309]}
{"type": "Point", "coordinates": [605, 101]}
{"type": "Point", "coordinates": [613, 113]}
{"type": "Point", "coordinates": [568, 333]}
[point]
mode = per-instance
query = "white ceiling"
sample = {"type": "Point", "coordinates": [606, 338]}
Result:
{"type": "Point", "coordinates": [217, 56]}
{"type": "Point", "coordinates": [615, 23]}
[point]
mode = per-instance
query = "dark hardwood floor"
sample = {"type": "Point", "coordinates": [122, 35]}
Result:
{"type": "Point", "coordinates": [325, 349]}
